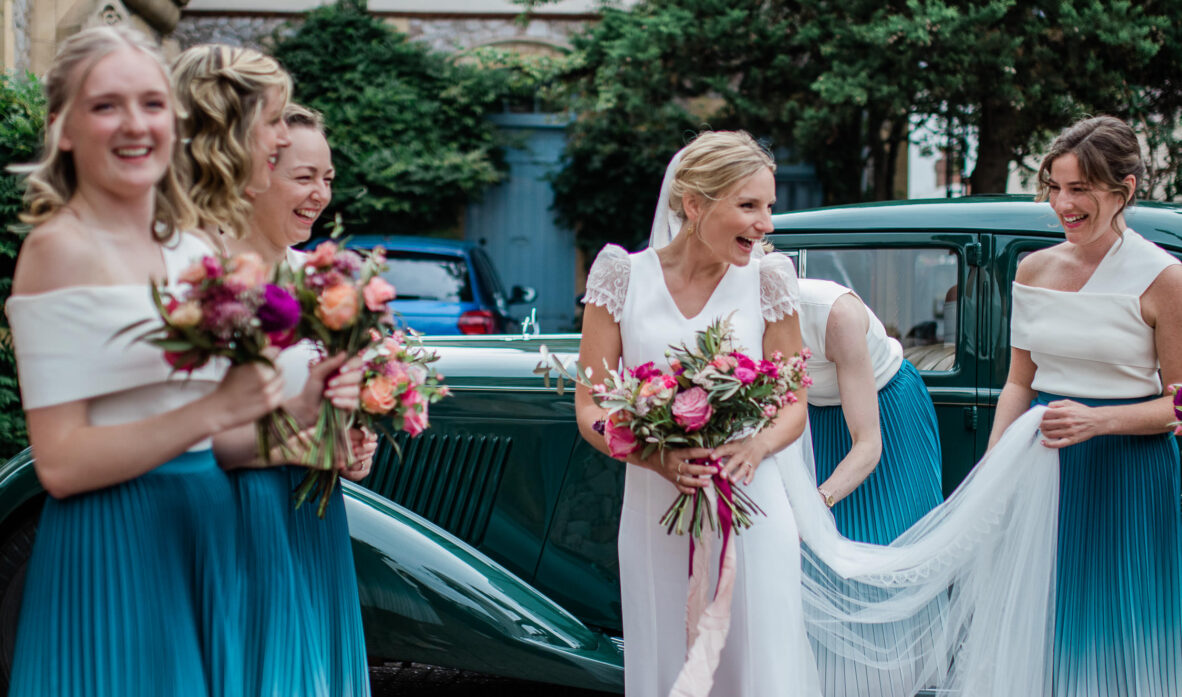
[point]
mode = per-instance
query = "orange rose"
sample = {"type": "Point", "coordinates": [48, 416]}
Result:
{"type": "Point", "coordinates": [248, 270]}
{"type": "Point", "coordinates": [338, 306]}
{"type": "Point", "coordinates": [377, 395]}
{"type": "Point", "coordinates": [185, 315]}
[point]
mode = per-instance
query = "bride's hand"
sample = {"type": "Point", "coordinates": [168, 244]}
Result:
{"type": "Point", "coordinates": [741, 458]}
{"type": "Point", "coordinates": [674, 465]}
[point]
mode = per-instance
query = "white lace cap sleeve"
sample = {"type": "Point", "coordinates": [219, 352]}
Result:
{"type": "Point", "coordinates": [779, 291]}
{"type": "Point", "coordinates": [607, 282]}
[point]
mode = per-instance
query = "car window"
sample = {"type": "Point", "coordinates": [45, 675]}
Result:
{"type": "Point", "coordinates": [913, 291]}
{"type": "Point", "coordinates": [486, 276]}
{"type": "Point", "coordinates": [420, 276]}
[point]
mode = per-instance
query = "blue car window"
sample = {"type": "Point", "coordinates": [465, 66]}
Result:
{"type": "Point", "coordinates": [418, 276]}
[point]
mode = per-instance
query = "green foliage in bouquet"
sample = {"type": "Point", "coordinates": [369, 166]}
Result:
{"type": "Point", "coordinates": [22, 115]}
{"type": "Point", "coordinates": [407, 124]}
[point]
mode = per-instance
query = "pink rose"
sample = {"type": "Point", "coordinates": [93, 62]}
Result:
{"type": "Point", "coordinates": [338, 306]}
{"type": "Point", "coordinates": [745, 375]}
{"type": "Point", "coordinates": [769, 369]}
{"type": "Point", "coordinates": [377, 395]}
{"type": "Point", "coordinates": [691, 409]}
{"type": "Point", "coordinates": [770, 411]}
{"type": "Point", "coordinates": [724, 363]}
{"type": "Point", "coordinates": [323, 256]}
{"type": "Point", "coordinates": [377, 293]}
{"type": "Point", "coordinates": [743, 361]}
{"type": "Point", "coordinates": [621, 441]}
{"type": "Point", "coordinates": [247, 270]}
{"type": "Point", "coordinates": [659, 386]}
{"type": "Point", "coordinates": [414, 420]}
{"type": "Point", "coordinates": [282, 339]}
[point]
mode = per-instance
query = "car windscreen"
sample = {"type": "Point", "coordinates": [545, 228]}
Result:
{"type": "Point", "coordinates": [422, 276]}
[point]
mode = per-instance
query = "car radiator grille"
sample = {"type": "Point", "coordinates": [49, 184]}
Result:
{"type": "Point", "coordinates": [448, 479]}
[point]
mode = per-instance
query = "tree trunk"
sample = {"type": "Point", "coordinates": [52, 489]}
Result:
{"type": "Point", "coordinates": [995, 148]}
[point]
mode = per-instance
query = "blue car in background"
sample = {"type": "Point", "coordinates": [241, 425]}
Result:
{"type": "Point", "coordinates": [445, 286]}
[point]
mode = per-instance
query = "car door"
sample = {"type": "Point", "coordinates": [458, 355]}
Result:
{"type": "Point", "coordinates": [925, 287]}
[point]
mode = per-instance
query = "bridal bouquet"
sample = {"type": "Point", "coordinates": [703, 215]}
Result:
{"type": "Point", "coordinates": [342, 303]}
{"type": "Point", "coordinates": [225, 308]}
{"type": "Point", "coordinates": [1176, 390]}
{"type": "Point", "coordinates": [397, 384]}
{"type": "Point", "coordinates": [712, 393]}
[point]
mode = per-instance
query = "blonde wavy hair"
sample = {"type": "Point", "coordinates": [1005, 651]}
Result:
{"type": "Point", "coordinates": [223, 90]}
{"type": "Point", "coordinates": [51, 181]}
{"type": "Point", "coordinates": [714, 163]}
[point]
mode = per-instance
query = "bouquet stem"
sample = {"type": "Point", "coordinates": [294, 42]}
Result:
{"type": "Point", "coordinates": [329, 449]}
{"type": "Point", "coordinates": [692, 512]}
{"type": "Point", "coordinates": [277, 430]}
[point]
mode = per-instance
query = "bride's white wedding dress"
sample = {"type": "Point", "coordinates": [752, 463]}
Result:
{"type": "Point", "coordinates": [766, 651]}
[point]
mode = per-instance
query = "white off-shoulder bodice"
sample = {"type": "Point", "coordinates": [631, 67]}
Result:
{"type": "Point", "coordinates": [1094, 342]}
{"type": "Point", "coordinates": [295, 360]}
{"type": "Point", "coordinates": [632, 288]}
{"type": "Point", "coordinates": [816, 300]}
{"type": "Point", "coordinates": [66, 349]}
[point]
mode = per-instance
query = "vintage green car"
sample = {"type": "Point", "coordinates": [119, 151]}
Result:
{"type": "Point", "coordinates": [490, 545]}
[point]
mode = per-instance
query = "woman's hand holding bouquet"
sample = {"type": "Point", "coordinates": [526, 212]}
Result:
{"type": "Point", "coordinates": [225, 308]}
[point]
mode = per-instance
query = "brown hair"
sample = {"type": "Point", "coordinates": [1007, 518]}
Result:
{"type": "Point", "coordinates": [52, 180]}
{"type": "Point", "coordinates": [223, 90]}
{"type": "Point", "coordinates": [713, 163]}
{"type": "Point", "coordinates": [1107, 151]}
{"type": "Point", "coordinates": [300, 116]}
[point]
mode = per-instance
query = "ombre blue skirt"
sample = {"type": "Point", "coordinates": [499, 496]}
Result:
{"type": "Point", "coordinates": [906, 483]}
{"type": "Point", "coordinates": [302, 622]}
{"type": "Point", "coordinates": [1118, 609]}
{"type": "Point", "coordinates": [133, 590]}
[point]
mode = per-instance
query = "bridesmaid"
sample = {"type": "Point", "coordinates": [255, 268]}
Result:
{"type": "Point", "coordinates": [235, 99]}
{"type": "Point", "coordinates": [1094, 319]}
{"type": "Point", "coordinates": [874, 432]}
{"type": "Point", "coordinates": [283, 215]}
{"type": "Point", "coordinates": [131, 589]}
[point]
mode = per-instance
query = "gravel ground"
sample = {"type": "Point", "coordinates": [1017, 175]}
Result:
{"type": "Point", "coordinates": [407, 679]}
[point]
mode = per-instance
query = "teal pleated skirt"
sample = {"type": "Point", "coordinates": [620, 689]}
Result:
{"type": "Point", "coordinates": [1118, 609]}
{"type": "Point", "coordinates": [302, 620]}
{"type": "Point", "coordinates": [133, 590]}
{"type": "Point", "coordinates": [906, 483]}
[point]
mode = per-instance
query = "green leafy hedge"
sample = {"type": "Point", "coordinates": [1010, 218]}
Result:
{"type": "Point", "coordinates": [406, 123]}
{"type": "Point", "coordinates": [22, 116]}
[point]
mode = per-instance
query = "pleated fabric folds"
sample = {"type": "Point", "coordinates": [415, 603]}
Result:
{"type": "Point", "coordinates": [302, 620]}
{"type": "Point", "coordinates": [1118, 613]}
{"type": "Point", "coordinates": [133, 590]}
{"type": "Point", "coordinates": [906, 483]}
{"type": "Point", "coordinates": [323, 551]}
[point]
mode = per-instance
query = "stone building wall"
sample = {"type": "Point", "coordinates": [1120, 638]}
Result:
{"type": "Point", "coordinates": [20, 35]}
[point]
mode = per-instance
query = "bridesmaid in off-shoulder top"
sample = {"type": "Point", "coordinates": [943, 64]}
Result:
{"type": "Point", "coordinates": [1095, 319]}
{"type": "Point", "coordinates": [132, 588]}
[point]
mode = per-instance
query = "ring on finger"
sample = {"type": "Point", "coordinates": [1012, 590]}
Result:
{"type": "Point", "coordinates": [679, 466]}
{"type": "Point", "coordinates": [679, 480]}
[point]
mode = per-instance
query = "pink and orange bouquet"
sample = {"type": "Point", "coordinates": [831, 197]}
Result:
{"type": "Point", "coordinates": [342, 299]}
{"type": "Point", "coordinates": [711, 393]}
{"type": "Point", "coordinates": [397, 384]}
{"type": "Point", "coordinates": [226, 308]}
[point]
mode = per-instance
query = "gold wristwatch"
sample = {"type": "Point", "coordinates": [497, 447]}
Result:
{"type": "Point", "coordinates": [829, 498]}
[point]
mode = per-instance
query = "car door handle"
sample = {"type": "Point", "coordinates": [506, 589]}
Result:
{"type": "Point", "coordinates": [970, 418]}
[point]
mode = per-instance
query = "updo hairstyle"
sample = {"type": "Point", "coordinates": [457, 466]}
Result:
{"type": "Point", "coordinates": [1107, 151]}
{"type": "Point", "coordinates": [223, 90]}
{"type": "Point", "coordinates": [714, 163]}
{"type": "Point", "coordinates": [52, 180]}
{"type": "Point", "coordinates": [300, 116]}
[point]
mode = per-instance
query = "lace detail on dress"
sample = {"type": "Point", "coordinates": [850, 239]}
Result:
{"type": "Point", "coordinates": [607, 281]}
{"type": "Point", "coordinates": [779, 292]}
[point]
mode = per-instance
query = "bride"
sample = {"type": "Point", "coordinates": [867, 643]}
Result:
{"type": "Point", "coordinates": [986, 557]}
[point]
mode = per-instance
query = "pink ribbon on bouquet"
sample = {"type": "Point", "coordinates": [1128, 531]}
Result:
{"type": "Point", "coordinates": [707, 625]}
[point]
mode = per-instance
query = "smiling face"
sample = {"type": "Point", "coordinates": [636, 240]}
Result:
{"type": "Point", "coordinates": [301, 187]}
{"type": "Point", "coordinates": [121, 127]}
{"type": "Point", "coordinates": [733, 225]}
{"type": "Point", "coordinates": [268, 135]}
{"type": "Point", "coordinates": [1088, 213]}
